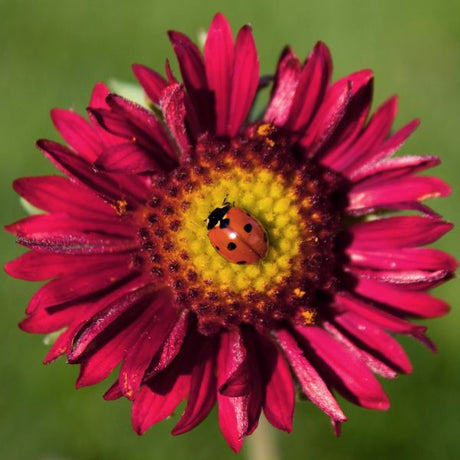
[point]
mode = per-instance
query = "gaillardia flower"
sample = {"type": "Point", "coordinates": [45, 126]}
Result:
{"type": "Point", "coordinates": [223, 258]}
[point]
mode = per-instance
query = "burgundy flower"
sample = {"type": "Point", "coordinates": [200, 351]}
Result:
{"type": "Point", "coordinates": [135, 280]}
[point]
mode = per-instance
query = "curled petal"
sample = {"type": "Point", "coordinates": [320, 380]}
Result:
{"type": "Point", "coordinates": [155, 329]}
{"type": "Point", "coordinates": [202, 394]}
{"type": "Point", "coordinates": [172, 105]}
{"type": "Point", "coordinates": [279, 393]}
{"type": "Point", "coordinates": [284, 89]}
{"type": "Point", "coordinates": [154, 405]}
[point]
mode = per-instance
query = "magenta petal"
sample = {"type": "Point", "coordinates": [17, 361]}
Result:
{"type": "Point", "coordinates": [79, 169]}
{"type": "Point", "coordinates": [126, 158]}
{"type": "Point", "coordinates": [233, 419]}
{"type": "Point", "coordinates": [105, 318]}
{"type": "Point", "coordinates": [113, 392]}
{"type": "Point", "coordinates": [391, 145]}
{"type": "Point", "coordinates": [190, 61]}
{"type": "Point", "coordinates": [374, 339]}
{"type": "Point", "coordinates": [38, 266]}
{"type": "Point", "coordinates": [98, 96]}
{"type": "Point", "coordinates": [419, 304]}
{"type": "Point", "coordinates": [144, 126]}
{"type": "Point", "coordinates": [417, 280]}
{"type": "Point", "coordinates": [279, 400]}
{"type": "Point", "coordinates": [376, 365]}
{"type": "Point", "coordinates": [257, 390]}
{"type": "Point", "coordinates": [61, 346]}
{"type": "Point", "coordinates": [284, 89]}
{"type": "Point", "coordinates": [35, 266]}
{"type": "Point", "coordinates": [365, 196]}
{"type": "Point", "coordinates": [59, 194]}
{"type": "Point", "coordinates": [371, 136]}
{"type": "Point", "coordinates": [233, 365]}
{"type": "Point", "coordinates": [200, 107]}
{"type": "Point", "coordinates": [233, 410]}
{"type": "Point", "coordinates": [392, 168]}
{"type": "Point", "coordinates": [219, 57]}
{"type": "Point", "coordinates": [313, 81]}
{"type": "Point", "coordinates": [245, 80]}
{"type": "Point", "coordinates": [349, 375]}
{"type": "Point", "coordinates": [327, 118]}
{"type": "Point", "coordinates": [47, 320]}
{"type": "Point", "coordinates": [172, 345]}
{"type": "Point", "coordinates": [97, 366]}
{"type": "Point", "coordinates": [353, 120]}
{"type": "Point", "coordinates": [397, 232]}
{"type": "Point", "coordinates": [157, 326]}
{"type": "Point", "coordinates": [312, 384]}
{"type": "Point", "coordinates": [152, 82]}
{"type": "Point", "coordinates": [172, 105]}
{"type": "Point", "coordinates": [377, 316]}
{"type": "Point", "coordinates": [52, 234]}
{"type": "Point", "coordinates": [110, 347]}
{"type": "Point", "coordinates": [57, 224]}
{"type": "Point", "coordinates": [202, 394]}
{"type": "Point", "coordinates": [70, 287]}
{"type": "Point", "coordinates": [77, 132]}
{"type": "Point", "coordinates": [153, 406]}
{"type": "Point", "coordinates": [403, 259]}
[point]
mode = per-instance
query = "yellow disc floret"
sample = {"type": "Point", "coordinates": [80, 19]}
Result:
{"type": "Point", "coordinates": [265, 196]}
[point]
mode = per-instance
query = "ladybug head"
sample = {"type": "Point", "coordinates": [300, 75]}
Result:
{"type": "Point", "coordinates": [217, 215]}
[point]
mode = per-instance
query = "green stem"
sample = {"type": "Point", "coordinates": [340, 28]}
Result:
{"type": "Point", "coordinates": [262, 444]}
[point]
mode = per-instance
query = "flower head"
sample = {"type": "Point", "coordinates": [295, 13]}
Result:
{"type": "Point", "coordinates": [308, 198]}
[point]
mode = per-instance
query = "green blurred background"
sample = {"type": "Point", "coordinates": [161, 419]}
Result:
{"type": "Point", "coordinates": [52, 51]}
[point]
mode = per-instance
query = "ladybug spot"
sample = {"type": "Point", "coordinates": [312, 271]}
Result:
{"type": "Point", "coordinates": [248, 228]}
{"type": "Point", "coordinates": [241, 262]}
{"type": "Point", "coordinates": [231, 246]}
{"type": "Point", "coordinates": [217, 248]}
{"type": "Point", "coordinates": [224, 223]}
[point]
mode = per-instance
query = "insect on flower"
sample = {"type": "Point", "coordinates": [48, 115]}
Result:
{"type": "Point", "coordinates": [304, 289]}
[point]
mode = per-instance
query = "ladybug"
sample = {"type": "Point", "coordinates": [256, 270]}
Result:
{"type": "Point", "coordinates": [236, 235]}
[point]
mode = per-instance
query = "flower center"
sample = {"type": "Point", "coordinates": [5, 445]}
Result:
{"type": "Point", "coordinates": [265, 196]}
{"type": "Point", "coordinates": [292, 200]}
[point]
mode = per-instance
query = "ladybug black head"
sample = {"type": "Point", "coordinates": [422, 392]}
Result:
{"type": "Point", "coordinates": [217, 216]}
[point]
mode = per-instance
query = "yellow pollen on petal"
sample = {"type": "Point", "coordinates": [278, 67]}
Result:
{"type": "Point", "coordinates": [265, 129]}
{"type": "Point", "coordinates": [120, 206]}
{"type": "Point", "coordinates": [299, 293]}
{"type": "Point", "coordinates": [308, 317]}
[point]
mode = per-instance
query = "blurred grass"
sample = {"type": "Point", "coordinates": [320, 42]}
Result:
{"type": "Point", "coordinates": [51, 53]}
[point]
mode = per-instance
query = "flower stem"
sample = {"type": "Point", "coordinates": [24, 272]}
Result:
{"type": "Point", "coordinates": [262, 444]}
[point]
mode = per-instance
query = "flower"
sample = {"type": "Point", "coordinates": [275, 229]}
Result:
{"type": "Point", "coordinates": [136, 282]}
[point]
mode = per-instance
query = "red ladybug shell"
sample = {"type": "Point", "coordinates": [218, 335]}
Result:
{"type": "Point", "coordinates": [236, 235]}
